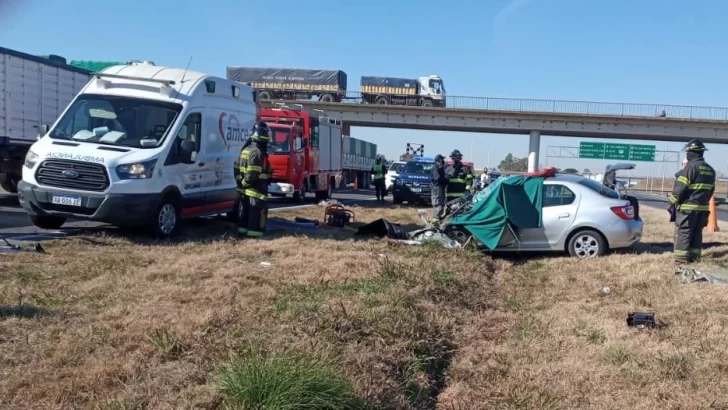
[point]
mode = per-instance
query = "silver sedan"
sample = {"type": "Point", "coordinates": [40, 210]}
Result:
{"type": "Point", "coordinates": [582, 217]}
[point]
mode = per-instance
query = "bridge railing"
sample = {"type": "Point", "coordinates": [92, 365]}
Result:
{"type": "Point", "coordinates": [561, 107]}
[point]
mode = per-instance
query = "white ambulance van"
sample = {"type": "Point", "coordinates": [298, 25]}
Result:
{"type": "Point", "coordinates": [140, 145]}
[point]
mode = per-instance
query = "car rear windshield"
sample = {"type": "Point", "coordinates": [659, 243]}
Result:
{"type": "Point", "coordinates": [598, 187]}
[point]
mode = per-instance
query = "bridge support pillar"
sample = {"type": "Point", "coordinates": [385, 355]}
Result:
{"type": "Point", "coordinates": [346, 129]}
{"type": "Point", "coordinates": [534, 144]}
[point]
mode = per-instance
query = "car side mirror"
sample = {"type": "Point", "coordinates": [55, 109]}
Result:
{"type": "Point", "coordinates": [187, 153]}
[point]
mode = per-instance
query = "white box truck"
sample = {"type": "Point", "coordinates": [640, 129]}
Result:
{"type": "Point", "coordinates": [33, 91]}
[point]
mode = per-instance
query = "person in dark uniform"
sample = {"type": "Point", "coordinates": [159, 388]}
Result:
{"type": "Point", "coordinates": [252, 176]}
{"type": "Point", "coordinates": [694, 186]}
{"type": "Point", "coordinates": [459, 177]}
{"type": "Point", "coordinates": [379, 170]}
{"type": "Point", "coordinates": [439, 185]}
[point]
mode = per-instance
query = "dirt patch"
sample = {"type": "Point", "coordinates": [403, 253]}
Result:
{"type": "Point", "coordinates": [111, 321]}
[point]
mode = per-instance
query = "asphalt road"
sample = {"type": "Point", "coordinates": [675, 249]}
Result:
{"type": "Point", "coordinates": [660, 202]}
{"type": "Point", "coordinates": [14, 222]}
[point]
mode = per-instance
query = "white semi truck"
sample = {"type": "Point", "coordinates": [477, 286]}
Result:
{"type": "Point", "coordinates": [33, 91]}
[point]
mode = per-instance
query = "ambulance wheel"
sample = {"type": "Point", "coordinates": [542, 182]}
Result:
{"type": "Point", "coordinates": [232, 216]}
{"type": "Point", "coordinates": [167, 218]}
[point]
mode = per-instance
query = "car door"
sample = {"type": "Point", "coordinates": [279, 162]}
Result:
{"type": "Point", "coordinates": [559, 210]}
{"type": "Point", "coordinates": [188, 177]}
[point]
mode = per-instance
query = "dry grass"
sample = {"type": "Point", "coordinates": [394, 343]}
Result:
{"type": "Point", "coordinates": [666, 184]}
{"type": "Point", "coordinates": [113, 322]}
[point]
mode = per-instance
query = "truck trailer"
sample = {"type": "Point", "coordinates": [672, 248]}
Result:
{"type": "Point", "coordinates": [292, 83]}
{"type": "Point", "coordinates": [331, 86]}
{"type": "Point", "coordinates": [95, 65]}
{"type": "Point", "coordinates": [308, 153]}
{"type": "Point", "coordinates": [424, 91]}
{"type": "Point", "coordinates": [359, 158]}
{"type": "Point", "coordinates": [34, 91]}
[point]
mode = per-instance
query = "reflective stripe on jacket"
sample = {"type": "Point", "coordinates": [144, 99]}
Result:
{"type": "Point", "coordinates": [694, 186]}
{"type": "Point", "coordinates": [253, 172]}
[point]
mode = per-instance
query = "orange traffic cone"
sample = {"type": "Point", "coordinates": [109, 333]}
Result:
{"type": "Point", "coordinates": [356, 183]}
{"type": "Point", "coordinates": [713, 217]}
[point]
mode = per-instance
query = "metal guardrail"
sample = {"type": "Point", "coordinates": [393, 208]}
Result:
{"type": "Point", "coordinates": [555, 107]}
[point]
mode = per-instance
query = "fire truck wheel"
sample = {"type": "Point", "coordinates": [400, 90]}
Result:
{"type": "Point", "coordinates": [300, 196]}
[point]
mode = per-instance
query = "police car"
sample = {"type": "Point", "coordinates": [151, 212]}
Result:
{"type": "Point", "coordinates": [414, 184]}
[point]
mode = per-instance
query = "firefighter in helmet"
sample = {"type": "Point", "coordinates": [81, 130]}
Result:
{"type": "Point", "coordinates": [459, 177]}
{"type": "Point", "coordinates": [252, 175]}
{"type": "Point", "coordinates": [694, 186]}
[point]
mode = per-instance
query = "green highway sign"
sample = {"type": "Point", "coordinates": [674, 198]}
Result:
{"type": "Point", "coordinates": [623, 152]}
{"type": "Point", "coordinates": [592, 150]}
{"type": "Point", "coordinates": [642, 153]}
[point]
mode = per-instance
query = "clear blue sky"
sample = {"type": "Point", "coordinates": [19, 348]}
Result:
{"type": "Point", "coordinates": [647, 51]}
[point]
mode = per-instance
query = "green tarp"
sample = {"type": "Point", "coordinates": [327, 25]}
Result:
{"type": "Point", "coordinates": [510, 204]}
{"type": "Point", "coordinates": [95, 66]}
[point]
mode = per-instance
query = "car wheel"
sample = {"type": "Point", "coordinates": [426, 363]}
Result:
{"type": "Point", "coordinates": [47, 221]}
{"type": "Point", "coordinates": [166, 220]}
{"type": "Point", "coordinates": [397, 200]}
{"type": "Point", "coordinates": [587, 244]}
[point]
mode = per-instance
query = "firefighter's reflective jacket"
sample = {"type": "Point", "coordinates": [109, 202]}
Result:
{"type": "Point", "coordinates": [459, 180]}
{"type": "Point", "coordinates": [253, 172]}
{"type": "Point", "coordinates": [694, 185]}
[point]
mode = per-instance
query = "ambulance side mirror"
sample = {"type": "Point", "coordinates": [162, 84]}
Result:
{"type": "Point", "coordinates": [187, 153]}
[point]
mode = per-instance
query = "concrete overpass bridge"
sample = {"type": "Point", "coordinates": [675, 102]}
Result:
{"type": "Point", "coordinates": [536, 118]}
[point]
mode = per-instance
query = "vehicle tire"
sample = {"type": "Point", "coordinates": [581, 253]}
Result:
{"type": "Point", "coordinates": [47, 221]}
{"type": "Point", "coordinates": [396, 200]}
{"type": "Point", "coordinates": [326, 98]}
{"type": "Point", "coordinates": [10, 185]}
{"type": "Point", "coordinates": [265, 95]}
{"type": "Point", "coordinates": [300, 196]}
{"type": "Point", "coordinates": [232, 216]}
{"type": "Point", "coordinates": [427, 103]}
{"type": "Point", "coordinates": [382, 100]}
{"type": "Point", "coordinates": [166, 218]}
{"type": "Point", "coordinates": [587, 244]}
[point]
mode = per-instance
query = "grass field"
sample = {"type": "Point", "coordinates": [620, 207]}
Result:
{"type": "Point", "coordinates": [106, 321]}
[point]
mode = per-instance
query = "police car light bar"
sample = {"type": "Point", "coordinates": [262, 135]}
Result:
{"type": "Point", "coordinates": [424, 159]}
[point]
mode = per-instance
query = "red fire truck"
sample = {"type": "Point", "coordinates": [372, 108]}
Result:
{"type": "Point", "coordinates": [304, 151]}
